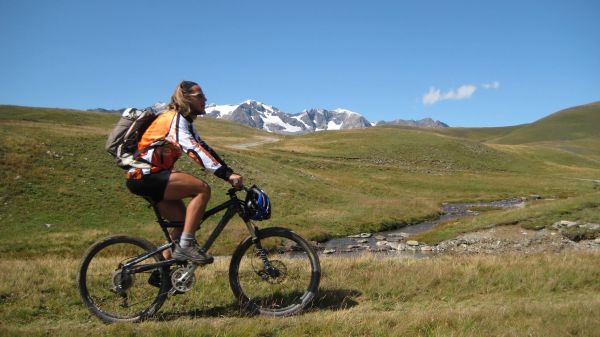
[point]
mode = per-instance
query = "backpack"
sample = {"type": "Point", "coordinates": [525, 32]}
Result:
{"type": "Point", "coordinates": [123, 140]}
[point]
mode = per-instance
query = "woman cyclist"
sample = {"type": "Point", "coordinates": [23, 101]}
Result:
{"type": "Point", "coordinates": [169, 136]}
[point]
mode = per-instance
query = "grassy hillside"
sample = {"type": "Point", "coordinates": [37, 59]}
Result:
{"type": "Point", "coordinates": [60, 191]}
{"type": "Point", "coordinates": [569, 124]}
{"type": "Point", "coordinates": [478, 134]}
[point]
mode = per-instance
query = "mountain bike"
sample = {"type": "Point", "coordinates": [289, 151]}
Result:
{"type": "Point", "coordinates": [274, 271]}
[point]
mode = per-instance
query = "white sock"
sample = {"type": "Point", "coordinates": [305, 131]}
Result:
{"type": "Point", "coordinates": [186, 240]}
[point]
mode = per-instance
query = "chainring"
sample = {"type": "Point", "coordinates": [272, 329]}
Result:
{"type": "Point", "coordinates": [185, 284]}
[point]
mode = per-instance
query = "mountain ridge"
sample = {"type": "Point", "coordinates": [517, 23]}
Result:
{"type": "Point", "coordinates": [262, 116]}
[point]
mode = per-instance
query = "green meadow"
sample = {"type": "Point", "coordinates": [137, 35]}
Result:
{"type": "Point", "coordinates": [60, 192]}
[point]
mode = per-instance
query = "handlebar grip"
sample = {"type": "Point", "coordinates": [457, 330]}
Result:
{"type": "Point", "coordinates": [237, 181]}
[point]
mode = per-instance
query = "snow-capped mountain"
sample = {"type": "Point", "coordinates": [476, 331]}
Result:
{"type": "Point", "coordinates": [265, 117]}
{"type": "Point", "coordinates": [261, 116]}
{"type": "Point", "coordinates": [256, 115]}
{"type": "Point", "coordinates": [338, 119]}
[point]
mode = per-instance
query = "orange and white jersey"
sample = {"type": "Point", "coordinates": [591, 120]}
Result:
{"type": "Point", "coordinates": [170, 135]}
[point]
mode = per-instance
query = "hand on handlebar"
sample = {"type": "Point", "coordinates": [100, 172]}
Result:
{"type": "Point", "coordinates": [236, 181]}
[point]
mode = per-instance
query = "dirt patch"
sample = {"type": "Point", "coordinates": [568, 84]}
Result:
{"type": "Point", "coordinates": [262, 141]}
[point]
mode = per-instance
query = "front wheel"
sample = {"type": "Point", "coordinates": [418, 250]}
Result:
{"type": "Point", "coordinates": [278, 275]}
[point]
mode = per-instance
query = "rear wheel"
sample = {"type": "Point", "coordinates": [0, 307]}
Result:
{"type": "Point", "coordinates": [278, 280]}
{"type": "Point", "coordinates": [114, 293]}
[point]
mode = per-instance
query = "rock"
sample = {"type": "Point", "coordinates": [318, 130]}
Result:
{"type": "Point", "coordinates": [597, 241]}
{"type": "Point", "coordinates": [329, 251]}
{"type": "Point", "coordinates": [354, 236]}
{"type": "Point", "coordinates": [365, 235]}
{"type": "Point", "coordinates": [379, 237]}
{"type": "Point", "coordinates": [591, 226]}
{"type": "Point", "coordinates": [565, 224]}
{"type": "Point", "coordinates": [291, 246]}
{"type": "Point", "coordinates": [412, 243]}
{"type": "Point", "coordinates": [426, 248]}
{"type": "Point", "coordinates": [399, 235]}
{"type": "Point", "coordinates": [534, 197]}
{"type": "Point", "coordinates": [353, 246]}
{"type": "Point", "coordinates": [48, 225]}
{"type": "Point", "coordinates": [401, 247]}
{"type": "Point", "coordinates": [362, 241]}
{"type": "Point", "coordinates": [381, 243]}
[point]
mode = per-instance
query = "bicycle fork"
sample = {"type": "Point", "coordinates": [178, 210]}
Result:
{"type": "Point", "coordinates": [262, 253]}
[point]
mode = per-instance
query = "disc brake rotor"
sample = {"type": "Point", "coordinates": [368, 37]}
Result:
{"type": "Point", "coordinates": [277, 275]}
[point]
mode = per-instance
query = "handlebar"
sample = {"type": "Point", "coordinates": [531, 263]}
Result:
{"type": "Point", "coordinates": [234, 190]}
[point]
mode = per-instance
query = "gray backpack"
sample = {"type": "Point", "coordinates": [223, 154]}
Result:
{"type": "Point", "coordinates": [124, 138]}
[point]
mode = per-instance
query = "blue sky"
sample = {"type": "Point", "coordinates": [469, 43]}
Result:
{"type": "Point", "coordinates": [466, 63]}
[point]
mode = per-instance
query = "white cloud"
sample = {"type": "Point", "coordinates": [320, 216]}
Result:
{"type": "Point", "coordinates": [435, 95]}
{"type": "Point", "coordinates": [432, 96]}
{"type": "Point", "coordinates": [492, 85]}
{"type": "Point", "coordinates": [465, 91]}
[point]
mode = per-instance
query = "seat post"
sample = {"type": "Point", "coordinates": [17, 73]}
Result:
{"type": "Point", "coordinates": [163, 224]}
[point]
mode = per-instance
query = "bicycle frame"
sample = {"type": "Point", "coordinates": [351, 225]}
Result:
{"type": "Point", "coordinates": [232, 206]}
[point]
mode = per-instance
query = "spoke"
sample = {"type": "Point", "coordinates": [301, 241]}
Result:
{"type": "Point", "coordinates": [285, 290]}
{"type": "Point", "coordinates": [104, 274]}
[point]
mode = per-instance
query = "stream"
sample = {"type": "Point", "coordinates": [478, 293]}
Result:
{"type": "Point", "coordinates": [382, 242]}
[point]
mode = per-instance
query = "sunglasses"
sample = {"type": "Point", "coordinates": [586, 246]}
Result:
{"type": "Point", "coordinates": [198, 94]}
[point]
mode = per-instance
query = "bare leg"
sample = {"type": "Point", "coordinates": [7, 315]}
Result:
{"type": "Point", "coordinates": [173, 210]}
{"type": "Point", "coordinates": [182, 185]}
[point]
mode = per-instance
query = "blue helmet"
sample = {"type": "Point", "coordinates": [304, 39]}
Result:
{"type": "Point", "coordinates": [258, 205]}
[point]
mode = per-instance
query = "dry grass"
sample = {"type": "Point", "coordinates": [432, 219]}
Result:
{"type": "Point", "coordinates": [510, 295]}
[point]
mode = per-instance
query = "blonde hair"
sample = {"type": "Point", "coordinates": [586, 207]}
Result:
{"type": "Point", "coordinates": [180, 100]}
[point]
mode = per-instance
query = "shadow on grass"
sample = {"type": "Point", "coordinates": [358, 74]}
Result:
{"type": "Point", "coordinates": [335, 299]}
{"type": "Point", "coordinates": [326, 299]}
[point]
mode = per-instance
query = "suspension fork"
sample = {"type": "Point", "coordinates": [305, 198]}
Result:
{"type": "Point", "coordinates": [262, 253]}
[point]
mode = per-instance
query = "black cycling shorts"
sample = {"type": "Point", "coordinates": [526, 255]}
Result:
{"type": "Point", "coordinates": [152, 185]}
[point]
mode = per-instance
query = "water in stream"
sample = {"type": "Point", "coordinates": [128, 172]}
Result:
{"type": "Point", "coordinates": [357, 244]}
